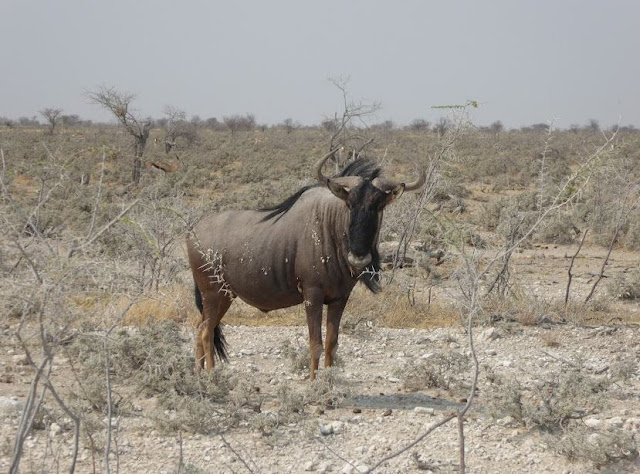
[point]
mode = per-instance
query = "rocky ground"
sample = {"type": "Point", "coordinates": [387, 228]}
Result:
{"type": "Point", "coordinates": [384, 408]}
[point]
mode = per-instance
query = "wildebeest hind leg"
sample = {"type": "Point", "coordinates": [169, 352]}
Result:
{"type": "Point", "coordinates": [215, 305]}
{"type": "Point", "coordinates": [334, 314]}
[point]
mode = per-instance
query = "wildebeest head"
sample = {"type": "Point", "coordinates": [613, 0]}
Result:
{"type": "Point", "coordinates": [366, 198]}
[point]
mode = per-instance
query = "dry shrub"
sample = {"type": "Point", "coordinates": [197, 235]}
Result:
{"type": "Point", "coordinates": [520, 307]}
{"type": "Point", "coordinates": [632, 237]}
{"type": "Point", "coordinates": [289, 411]}
{"type": "Point", "coordinates": [558, 229]}
{"type": "Point", "coordinates": [152, 360]}
{"type": "Point", "coordinates": [599, 448]}
{"type": "Point", "coordinates": [598, 310]}
{"type": "Point", "coordinates": [291, 401]}
{"type": "Point", "coordinates": [552, 404]}
{"type": "Point", "coordinates": [489, 218]}
{"type": "Point", "coordinates": [298, 356]}
{"type": "Point", "coordinates": [328, 390]}
{"type": "Point", "coordinates": [626, 286]}
{"type": "Point", "coordinates": [446, 370]}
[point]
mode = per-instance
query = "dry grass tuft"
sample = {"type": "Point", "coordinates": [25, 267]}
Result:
{"type": "Point", "coordinates": [172, 304]}
{"type": "Point", "coordinates": [393, 308]}
{"type": "Point", "coordinates": [549, 339]}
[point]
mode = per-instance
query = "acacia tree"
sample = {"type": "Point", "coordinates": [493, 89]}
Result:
{"type": "Point", "coordinates": [419, 125]}
{"type": "Point", "coordinates": [176, 126]}
{"type": "Point", "coordinates": [119, 104]}
{"type": "Point", "coordinates": [236, 123]}
{"type": "Point", "coordinates": [51, 116]}
{"type": "Point", "coordinates": [442, 126]}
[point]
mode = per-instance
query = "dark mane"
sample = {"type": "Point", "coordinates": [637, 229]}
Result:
{"type": "Point", "coordinates": [362, 167]}
{"type": "Point", "coordinates": [280, 209]}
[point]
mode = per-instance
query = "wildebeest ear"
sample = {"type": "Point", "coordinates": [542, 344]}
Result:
{"type": "Point", "coordinates": [339, 190]}
{"type": "Point", "coordinates": [393, 194]}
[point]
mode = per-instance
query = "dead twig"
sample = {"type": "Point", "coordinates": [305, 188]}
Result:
{"type": "Point", "coordinates": [397, 453]}
{"type": "Point", "coordinates": [90, 240]}
{"type": "Point", "coordinates": [604, 264]}
{"type": "Point", "coordinates": [226, 443]}
{"type": "Point", "coordinates": [573, 258]}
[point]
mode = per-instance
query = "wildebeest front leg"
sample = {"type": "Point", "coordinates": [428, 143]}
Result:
{"type": "Point", "coordinates": [313, 299]}
{"type": "Point", "coordinates": [334, 314]}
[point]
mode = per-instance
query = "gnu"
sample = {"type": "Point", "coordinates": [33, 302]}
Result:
{"type": "Point", "coordinates": [311, 249]}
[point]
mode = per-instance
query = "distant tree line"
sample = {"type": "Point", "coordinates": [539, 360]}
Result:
{"type": "Point", "coordinates": [183, 127]}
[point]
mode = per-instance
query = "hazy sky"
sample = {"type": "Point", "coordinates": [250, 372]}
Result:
{"type": "Point", "coordinates": [524, 61]}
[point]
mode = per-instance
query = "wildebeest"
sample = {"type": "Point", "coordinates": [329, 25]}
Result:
{"type": "Point", "coordinates": [312, 248]}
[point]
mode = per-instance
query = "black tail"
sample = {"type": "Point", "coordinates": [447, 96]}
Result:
{"type": "Point", "coordinates": [220, 344]}
{"type": "Point", "coordinates": [219, 341]}
{"type": "Point", "coordinates": [198, 298]}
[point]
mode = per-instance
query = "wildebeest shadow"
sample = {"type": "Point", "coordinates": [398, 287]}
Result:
{"type": "Point", "coordinates": [407, 401]}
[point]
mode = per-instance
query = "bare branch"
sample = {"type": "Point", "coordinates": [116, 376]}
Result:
{"type": "Point", "coordinates": [431, 429]}
{"type": "Point", "coordinates": [102, 230]}
{"type": "Point", "coordinates": [226, 443]}
{"type": "Point", "coordinates": [566, 295]}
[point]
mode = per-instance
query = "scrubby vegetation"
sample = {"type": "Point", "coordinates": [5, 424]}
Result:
{"type": "Point", "coordinates": [93, 270]}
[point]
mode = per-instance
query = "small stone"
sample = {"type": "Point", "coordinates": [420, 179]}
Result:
{"type": "Point", "coordinates": [337, 426]}
{"type": "Point", "coordinates": [309, 466]}
{"type": "Point", "coordinates": [114, 423]}
{"type": "Point", "coordinates": [615, 422]}
{"type": "Point", "coordinates": [347, 469]}
{"type": "Point", "coordinates": [507, 420]}
{"type": "Point", "coordinates": [387, 412]}
{"type": "Point", "coordinates": [10, 407]}
{"type": "Point", "coordinates": [55, 429]}
{"type": "Point", "coordinates": [491, 352]}
{"type": "Point", "coordinates": [357, 410]}
{"type": "Point", "coordinates": [393, 379]}
{"type": "Point", "coordinates": [427, 410]}
{"type": "Point", "coordinates": [490, 334]}
{"type": "Point", "coordinates": [326, 430]}
{"type": "Point", "coordinates": [593, 423]}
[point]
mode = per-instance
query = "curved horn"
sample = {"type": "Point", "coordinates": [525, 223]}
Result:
{"type": "Point", "coordinates": [418, 183]}
{"type": "Point", "coordinates": [319, 176]}
{"type": "Point", "coordinates": [386, 184]}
